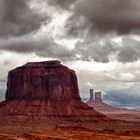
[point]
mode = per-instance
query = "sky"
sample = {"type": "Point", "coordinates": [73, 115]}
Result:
{"type": "Point", "coordinates": [99, 39]}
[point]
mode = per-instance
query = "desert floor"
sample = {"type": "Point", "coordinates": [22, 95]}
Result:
{"type": "Point", "coordinates": [71, 131]}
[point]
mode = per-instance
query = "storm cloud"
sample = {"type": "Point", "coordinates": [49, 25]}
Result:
{"type": "Point", "coordinates": [62, 3]}
{"type": "Point", "coordinates": [107, 15]}
{"type": "Point", "coordinates": [17, 18]}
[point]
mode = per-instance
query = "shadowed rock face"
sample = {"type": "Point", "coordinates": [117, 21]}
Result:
{"type": "Point", "coordinates": [42, 80]}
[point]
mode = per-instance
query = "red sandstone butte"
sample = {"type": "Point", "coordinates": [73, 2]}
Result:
{"type": "Point", "coordinates": [46, 89]}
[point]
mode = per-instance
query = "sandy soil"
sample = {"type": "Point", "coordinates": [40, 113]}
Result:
{"type": "Point", "coordinates": [74, 133]}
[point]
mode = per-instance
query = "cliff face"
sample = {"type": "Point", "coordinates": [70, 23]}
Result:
{"type": "Point", "coordinates": [42, 80]}
{"type": "Point", "coordinates": [47, 89]}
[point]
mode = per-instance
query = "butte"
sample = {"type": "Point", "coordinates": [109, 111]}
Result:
{"type": "Point", "coordinates": [45, 90]}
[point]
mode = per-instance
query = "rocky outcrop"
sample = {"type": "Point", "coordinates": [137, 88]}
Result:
{"type": "Point", "coordinates": [47, 89]}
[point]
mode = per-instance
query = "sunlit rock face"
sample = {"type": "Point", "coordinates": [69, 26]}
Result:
{"type": "Point", "coordinates": [42, 80]}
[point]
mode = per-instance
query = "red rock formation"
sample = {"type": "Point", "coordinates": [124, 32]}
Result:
{"type": "Point", "coordinates": [98, 97]}
{"type": "Point", "coordinates": [42, 80]}
{"type": "Point", "coordinates": [46, 89]}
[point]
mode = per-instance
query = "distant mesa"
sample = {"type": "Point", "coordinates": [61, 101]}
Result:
{"type": "Point", "coordinates": [46, 89]}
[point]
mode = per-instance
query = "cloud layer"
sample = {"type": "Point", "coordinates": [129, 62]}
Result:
{"type": "Point", "coordinates": [103, 50]}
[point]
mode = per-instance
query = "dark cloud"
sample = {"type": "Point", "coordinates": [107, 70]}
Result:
{"type": "Point", "coordinates": [107, 15]}
{"type": "Point", "coordinates": [17, 18]}
{"type": "Point", "coordinates": [44, 48]}
{"type": "Point", "coordinates": [62, 3]}
{"type": "Point", "coordinates": [76, 26]}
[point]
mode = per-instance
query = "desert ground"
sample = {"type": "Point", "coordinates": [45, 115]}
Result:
{"type": "Point", "coordinates": [73, 133]}
{"type": "Point", "coordinates": [61, 130]}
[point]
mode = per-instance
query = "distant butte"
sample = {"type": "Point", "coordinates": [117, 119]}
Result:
{"type": "Point", "coordinates": [97, 102]}
{"type": "Point", "coordinates": [46, 89]}
{"type": "Point", "coordinates": [116, 113]}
